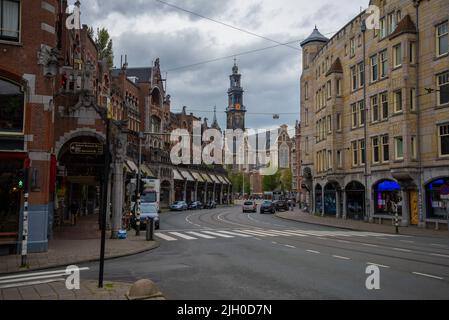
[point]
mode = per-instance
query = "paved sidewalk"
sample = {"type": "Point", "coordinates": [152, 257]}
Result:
{"type": "Point", "coordinates": [359, 225]}
{"type": "Point", "coordinates": [57, 291]}
{"type": "Point", "coordinates": [64, 252]}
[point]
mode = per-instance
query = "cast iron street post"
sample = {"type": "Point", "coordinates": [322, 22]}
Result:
{"type": "Point", "coordinates": [139, 175]}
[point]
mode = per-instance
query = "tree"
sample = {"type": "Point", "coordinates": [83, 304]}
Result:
{"type": "Point", "coordinates": [286, 180]}
{"type": "Point", "coordinates": [103, 43]}
{"type": "Point", "coordinates": [271, 183]}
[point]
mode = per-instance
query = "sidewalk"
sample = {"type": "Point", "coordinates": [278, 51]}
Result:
{"type": "Point", "coordinates": [304, 217]}
{"type": "Point", "coordinates": [65, 252]}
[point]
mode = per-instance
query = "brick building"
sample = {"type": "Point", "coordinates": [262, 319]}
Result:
{"type": "Point", "coordinates": [375, 117]}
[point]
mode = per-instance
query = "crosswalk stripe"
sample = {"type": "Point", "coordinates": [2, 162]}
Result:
{"type": "Point", "coordinates": [236, 234]}
{"type": "Point", "coordinates": [297, 233]}
{"type": "Point", "coordinates": [258, 233]}
{"type": "Point", "coordinates": [281, 233]}
{"type": "Point", "coordinates": [183, 236]}
{"type": "Point", "coordinates": [164, 237]}
{"type": "Point", "coordinates": [200, 235]}
{"type": "Point", "coordinates": [218, 234]}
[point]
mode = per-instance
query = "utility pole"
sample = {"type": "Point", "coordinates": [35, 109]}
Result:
{"type": "Point", "coordinates": [365, 112]}
{"type": "Point", "coordinates": [139, 176]}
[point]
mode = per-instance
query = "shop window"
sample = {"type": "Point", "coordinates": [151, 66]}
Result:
{"type": "Point", "coordinates": [11, 107]}
{"type": "Point", "coordinates": [10, 20]}
{"type": "Point", "coordinates": [437, 198]}
{"type": "Point", "coordinates": [386, 194]}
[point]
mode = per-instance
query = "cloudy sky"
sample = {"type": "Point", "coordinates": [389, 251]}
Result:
{"type": "Point", "coordinates": [147, 29]}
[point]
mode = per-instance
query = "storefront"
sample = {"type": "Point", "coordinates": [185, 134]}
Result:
{"type": "Point", "coordinates": [437, 199]}
{"type": "Point", "coordinates": [386, 193]}
{"type": "Point", "coordinates": [355, 200]}
{"type": "Point", "coordinates": [318, 199]}
{"type": "Point", "coordinates": [330, 199]}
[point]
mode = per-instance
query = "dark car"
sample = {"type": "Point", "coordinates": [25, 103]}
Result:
{"type": "Point", "coordinates": [267, 206]}
{"type": "Point", "coordinates": [147, 211]}
{"type": "Point", "coordinates": [179, 206]}
{"type": "Point", "coordinates": [211, 205]}
{"type": "Point", "coordinates": [195, 205]}
{"type": "Point", "coordinates": [281, 205]}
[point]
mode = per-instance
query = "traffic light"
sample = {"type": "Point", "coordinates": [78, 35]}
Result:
{"type": "Point", "coordinates": [20, 180]}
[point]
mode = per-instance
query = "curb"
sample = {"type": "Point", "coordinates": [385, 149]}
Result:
{"type": "Point", "coordinates": [357, 229]}
{"type": "Point", "coordinates": [117, 256]}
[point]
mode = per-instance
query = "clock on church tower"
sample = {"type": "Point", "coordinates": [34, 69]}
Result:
{"type": "Point", "coordinates": [236, 109]}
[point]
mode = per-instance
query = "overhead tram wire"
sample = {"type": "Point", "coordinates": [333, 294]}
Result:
{"type": "Point", "coordinates": [228, 25]}
{"type": "Point", "coordinates": [235, 55]}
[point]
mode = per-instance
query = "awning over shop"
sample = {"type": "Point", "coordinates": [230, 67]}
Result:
{"type": "Point", "coordinates": [146, 172]}
{"type": "Point", "coordinates": [214, 178]}
{"type": "Point", "coordinates": [131, 166]}
{"type": "Point", "coordinates": [197, 176]}
{"type": "Point", "coordinates": [222, 179]}
{"type": "Point", "coordinates": [177, 175]}
{"type": "Point", "coordinates": [187, 175]}
{"type": "Point", "coordinates": [206, 177]}
{"type": "Point", "coordinates": [228, 181]}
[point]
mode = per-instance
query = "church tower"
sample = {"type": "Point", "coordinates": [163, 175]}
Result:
{"type": "Point", "coordinates": [236, 110]}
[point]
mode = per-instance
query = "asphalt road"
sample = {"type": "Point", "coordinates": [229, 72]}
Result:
{"type": "Point", "coordinates": [227, 254]}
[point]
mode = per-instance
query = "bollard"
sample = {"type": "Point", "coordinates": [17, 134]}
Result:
{"type": "Point", "coordinates": [150, 229]}
{"type": "Point", "coordinates": [396, 222]}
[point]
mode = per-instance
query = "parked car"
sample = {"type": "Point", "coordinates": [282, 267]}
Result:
{"type": "Point", "coordinates": [195, 205]}
{"type": "Point", "coordinates": [211, 205]}
{"type": "Point", "coordinates": [179, 206]}
{"type": "Point", "coordinates": [249, 206]}
{"type": "Point", "coordinates": [147, 211]}
{"type": "Point", "coordinates": [282, 205]}
{"type": "Point", "coordinates": [267, 206]}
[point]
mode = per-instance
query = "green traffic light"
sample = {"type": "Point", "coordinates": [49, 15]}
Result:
{"type": "Point", "coordinates": [20, 184]}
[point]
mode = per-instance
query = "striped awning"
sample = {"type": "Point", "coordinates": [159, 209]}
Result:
{"type": "Point", "coordinates": [221, 178]}
{"type": "Point", "coordinates": [186, 174]}
{"type": "Point", "coordinates": [214, 178]}
{"type": "Point", "coordinates": [177, 175]}
{"type": "Point", "coordinates": [131, 166]}
{"type": "Point", "coordinates": [197, 176]}
{"type": "Point", "coordinates": [146, 172]}
{"type": "Point", "coordinates": [207, 177]}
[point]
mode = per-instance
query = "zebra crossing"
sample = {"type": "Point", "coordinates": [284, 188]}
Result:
{"type": "Point", "coordinates": [211, 234]}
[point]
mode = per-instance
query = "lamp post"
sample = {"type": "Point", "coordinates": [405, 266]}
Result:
{"type": "Point", "coordinates": [365, 127]}
{"type": "Point", "coordinates": [139, 176]}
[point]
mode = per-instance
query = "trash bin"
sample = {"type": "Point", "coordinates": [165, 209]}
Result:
{"type": "Point", "coordinates": [150, 229]}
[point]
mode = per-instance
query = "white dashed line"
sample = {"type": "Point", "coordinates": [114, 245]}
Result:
{"type": "Point", "coordinates": [341, 258]}
{"type": "Point", "coordinates": [402, 250]}
{"type": "Point", "coordinates": [440, 255]}
{"type": "Point", "coordinates": [407, 241]}
{"type": "Point", "coordinates": [183, 236]}
{"type": "Point", "coordinates": [289, 246]}
{"type": "Point", "coordinates": [274, 242]}
{"type": "Point", "coordinates": [313, 251]}
{"type": "Point", "coordinates": [428, 275]}
{"type": "Point", "coordinates": [379, 265]}
{"type": "Point", "coordinates": [370, 245]}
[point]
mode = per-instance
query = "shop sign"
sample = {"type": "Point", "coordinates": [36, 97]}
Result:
{"type": "Point", "coordinates": [86, 148]}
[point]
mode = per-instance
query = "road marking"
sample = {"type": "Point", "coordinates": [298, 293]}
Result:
{"type": "Point", "coordinates": [183, 236]}
{"type": "Point", "coordinates": [200, 235]}
{"type": "Point", "coordinates": [253, 233]}
{"type": "Point", "coordinates": [236, 234]}
{"type": "Point", "coordinates": [440, 255]}
{"type": "Point", "coordinates": [407, 241]}
{"type": "Point", "coordinates": [274, 242]}
{"type": "Point", "coordinates": [57, 272]}
{"type": "Point", "coordinates": [218, 234]}
{"type": "Point", "coordinates": [379, 265]}
{"type": "Point", "coordinates": [427, 275]}
{"type": "Point", "coordinates": [164, 237]}
{"type": "Point", "coordinates": [403, 250]}
{"type": "Point", "coordinates": [342, 258]}
{"type": "Point", "coordinates": [289, 246]}
{"type": "Point", "coordinates": [369, 245]}
{"type": "Point", "coordinates": [313, 251]}
{"type": "Point", "coordinates": [439, 245]}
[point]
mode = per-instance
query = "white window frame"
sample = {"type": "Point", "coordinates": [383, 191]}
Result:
{"type": "Point", "coordinates": [383, 58]}
{"type": "Point", "coordinates": [445, 77]}
{"type": "Point", "coordinates": [354, 115]}
{"type": "Point", "coordinates": [397, 56]}
{"type": "Point", "coordinates": [396, 94]}
{"type": "Point", "coordinates": [440, 136]}
{"type": "Point", "coordinates": [375, 115]}
{"type": "Point", "coordinates": [396, 148]}
{"type": "Point", "coordinates": [378, 147]}
{"type": "Point", "coordinates": [439, 36]}
{"type": "Point", "coordinates": [374, 62]}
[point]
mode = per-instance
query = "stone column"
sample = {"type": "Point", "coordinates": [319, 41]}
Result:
{"type": "Point", "coordinates": [172, 192]}
{"type": "Point", "coordinates": [117, 199]}
{"type": "Point", "coordinates": [196, 192]}
{"type": "Point", "coordinates": [213, 193]}
{"type": "Point", "coordinates": [345, 205]}
{"type": "Point", "coordinates": [229, 194]}
{"type": "Point", "coordinates": [405, 207]}
{"type": "Point", "coordinates": [221, 194]}
{"type": "Point", "coordinates": [205, 193]}
{"type": "Point", "coordinates": [322, 202]}
{"type": "Point", "coordinates": [184, 193]}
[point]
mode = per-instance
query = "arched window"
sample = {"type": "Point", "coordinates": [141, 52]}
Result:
{"type": "Point", "coordinates": [284, 158]}
{"type": "Point", "coordinates": [11, 107]}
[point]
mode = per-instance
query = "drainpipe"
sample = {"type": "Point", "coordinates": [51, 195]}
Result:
{"type": "Point", "coordinates": [367, 199]}
{"type": "Point", "coordinates": [418, 129]}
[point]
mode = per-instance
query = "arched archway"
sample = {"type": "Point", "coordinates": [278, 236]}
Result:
{"type": "Point", "coordinates": [156, 97]}
{"type": "Point", "coordinates": [437, 198]}
{"type": "Point", "coordinates": [331, 201]}
{"type": "Point", "coordinates": [355, 200]}
{"type": "Point", "coordinates": [318, 198]}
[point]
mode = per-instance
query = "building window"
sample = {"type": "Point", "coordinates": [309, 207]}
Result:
{"type": "Point", "coordinates": [398, 101]}
{"type": "Point", "coordinates": [442, 39]}
{"type": "Point", "coordinates": [397, 56]}
{"type": "Point", "coordinates": [329, 124]}
{"type": "Point", "coordinates": [339, 159]}
{"type": "Point", "coordinates": [361, 107]}
{"type": "Point", "coordinates": [12, 100]}
{"type": "Point", "coordinates": [374, 68]}
{"type": "Point", "coordinates": [399, 148]}
{"type": "Point", "coordinates": [443, 88]}
{"type": "Point", "coordinates": [355, 153]}
{"type": "Point", "coordinates": [330, 163]}
{"type": "Point", "coordinates": [306, 91]}
{"type": "Point", "coordinates": [392, 23]}
{"type": "Point", "coordinates": [376, 150]}
{"type": "Point", "coordinates": [354, 82]}
{"type": "Point", "coordinates": [307, 145]}
{"type": "Point", "coordinates": [413, 99]}
{"type": "Point", "coordinates": [306, 116]}
{"type": "Point", "coordinates": [361, 69]}
{"type": "Point", "coordinates": [413, 146]}
{"type": "Point", "coordinates": [9, 20]}
{"type": "Point", "coordinates": [352, 53]}
{"type": "Point", "coordinates": [329, 89]}
{"type": "Point", "coordinates": [383, 64]}
{"type": "Point", "coordinates": [354, 115]}
{"type": "Point", "coordinates": [375, 108]}
{"type": "Point", "coordinates": [412, 52]}
{"type": "Point", "coordinates": [284, 161]}
{"type": "Point", "coordinates": [339, 124]}
{"type": "Point", "coordinates": [338, 89]}
{"type": "Point", "coordinates": [362, 151]}
{"type": "Point", "coordinates": [385, 148]}
{"type": "Point", "coordinates": [384, 101]}
{"type": "Point", "coordinates": [443, 137]}
{"type": "Point", "coordinates": [383, 28]}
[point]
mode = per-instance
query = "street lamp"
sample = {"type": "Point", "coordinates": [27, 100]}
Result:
{"type": "Point", "coordinates": [139, 175]}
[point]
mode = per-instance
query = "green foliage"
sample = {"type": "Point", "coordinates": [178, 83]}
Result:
{"type": "Point", "coordinates": [286, 180]}
{"type": "Point", "coordinates": [237, 182]}
{"type": "Point", "coordinates": [103, 42]}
